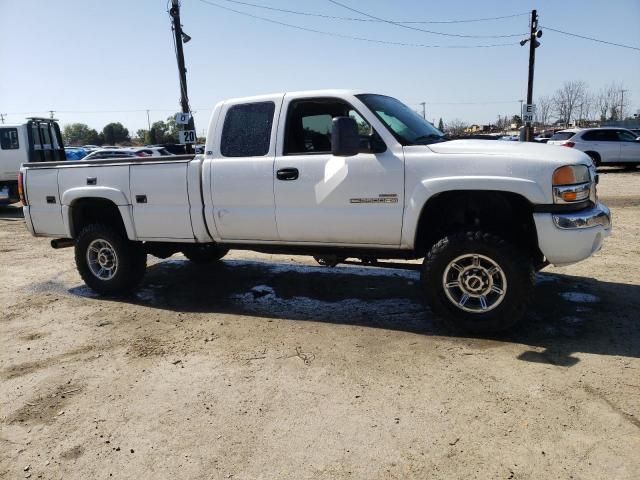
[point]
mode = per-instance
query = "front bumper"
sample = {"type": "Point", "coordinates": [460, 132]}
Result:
{"type": "Point", "coordinates": [570, 237]}
{"type": "Point", "coordinates": [598, 215]}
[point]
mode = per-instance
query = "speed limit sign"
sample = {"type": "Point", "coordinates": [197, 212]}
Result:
{"type": "Point", "coordinates": [187, 136]}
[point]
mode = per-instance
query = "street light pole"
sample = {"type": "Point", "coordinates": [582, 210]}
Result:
{"type": "Point", "coordinates": [178, 35]}
{"type": "Point", "coordinates": [424, 110]}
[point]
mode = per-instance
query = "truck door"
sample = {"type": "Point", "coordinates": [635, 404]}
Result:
{"type": "Point", "coordinates": [325, 199]}
{"type": "Point", "coordinates": [242, 169]}
{"type": "Point", "coordinates": [629, 146]}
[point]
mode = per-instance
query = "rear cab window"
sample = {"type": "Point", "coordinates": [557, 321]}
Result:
{"type": "Point", "coordinates": [247, 130]}
{"type": "Point", "coordinates": [9, 139]}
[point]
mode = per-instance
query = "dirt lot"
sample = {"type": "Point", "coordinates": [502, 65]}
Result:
{"type": "Point", "coordinates": [271, 367]}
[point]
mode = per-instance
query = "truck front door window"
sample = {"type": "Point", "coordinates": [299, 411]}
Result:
{"type": "Point", "coordinates": [309, 124]}
{"type": "Point", "coordinates": [247, 130]}
{"type": "Point", "coordinates": [9, 139]}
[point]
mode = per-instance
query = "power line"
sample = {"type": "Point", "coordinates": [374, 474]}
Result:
{"type": "Point", "coordinates": [355, 19]}
{"type": "Point", "coordinates": [351, 37]}
{"type": "Point", "coordinates": [590, 38]}
{"type": "Point", "coordinates": [410, 27]}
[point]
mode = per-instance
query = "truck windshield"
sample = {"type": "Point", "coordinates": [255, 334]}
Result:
{"type": "Point", "coordinates": [407, 126]}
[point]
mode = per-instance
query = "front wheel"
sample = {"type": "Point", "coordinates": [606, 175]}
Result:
{"type": "Point", "coordinates": [107, 261]}
{"type": "Point", "coordinates": [478, 282]}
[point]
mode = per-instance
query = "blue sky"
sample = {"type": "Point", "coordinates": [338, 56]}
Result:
{"type": "Point", "coordinates": [95, 61]}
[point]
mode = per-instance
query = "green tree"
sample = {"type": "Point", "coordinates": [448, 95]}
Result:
{"type": "Point", "coordinates": [80, 134]}
{"type": "Point", "coordinates": [115, 133]}
{"type": "Point", "coordinates": [158, 132]}
{"type": "Point", "coordinates": [142, 135]}
{"type": "Point", "coordinates": [441, 125]}
{"type": "Point", "coordinates": [172, 130]}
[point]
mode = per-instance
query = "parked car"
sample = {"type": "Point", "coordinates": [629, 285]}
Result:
{"type": "Point", "coordinates": [36, 140]}
{"type": "Point", "coordinates": [333, 174]}
{"type": "Point", "coordinates": [127, 152]}
{"type": "Point", "coordinates": [605, 145]}
{"type": "Point", "coordinates": [75, 153]}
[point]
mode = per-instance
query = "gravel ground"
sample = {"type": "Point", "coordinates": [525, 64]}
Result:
{"type": "Point", "coordinates": [271, 367]}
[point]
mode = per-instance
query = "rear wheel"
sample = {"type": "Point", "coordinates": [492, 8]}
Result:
{"type": "Point", "coordinates": [206, 253]}
{"type": "Point", "coordinates": [478, 282]}
{"type": "Point", "coordinates": [107, 261]}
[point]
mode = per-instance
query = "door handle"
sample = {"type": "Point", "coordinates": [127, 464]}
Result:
{"type": "Point", "coordinates": [287, 174]}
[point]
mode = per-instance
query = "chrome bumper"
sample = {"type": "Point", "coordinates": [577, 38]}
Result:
{"type": "Point", "coordinates": [599, 215]}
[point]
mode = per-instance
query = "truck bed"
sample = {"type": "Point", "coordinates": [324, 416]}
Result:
{"type": "Point", "coordinates": [159, 198]}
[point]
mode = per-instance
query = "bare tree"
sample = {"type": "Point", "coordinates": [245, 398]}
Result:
{"type": "Point", "coordinates": [610, 100]}
{"type": "Point", "coordinates": [543, 110]}
{"type": "Point", "coordinates": [568, 98]}
{"type": "Point", "coordinates": [455, 127]}
{"type": "Point", "coordinates": [585, 109]}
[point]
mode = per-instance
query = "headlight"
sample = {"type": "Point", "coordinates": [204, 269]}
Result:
{"type": "Point", "coordinates": [571, 184]}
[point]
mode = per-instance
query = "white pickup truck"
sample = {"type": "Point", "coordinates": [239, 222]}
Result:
{"type": "Point", "coordinates": [333, 174]}
{"type": "Point", "coordinates": [36, 140]}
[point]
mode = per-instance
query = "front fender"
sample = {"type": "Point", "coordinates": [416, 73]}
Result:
{"type": "Point", "coordinates": [427, 189]}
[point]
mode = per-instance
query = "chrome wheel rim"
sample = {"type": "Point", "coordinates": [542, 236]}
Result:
{"type": "Point", "coordinates": [102, 259]}
{"type": "Point", "coordinates": [474, 283]}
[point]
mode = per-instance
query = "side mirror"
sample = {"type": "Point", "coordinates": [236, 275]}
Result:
{"type": "Point", "coordinates": [638, 139]}
{"type": "Point", "coordinates": [345, 141]}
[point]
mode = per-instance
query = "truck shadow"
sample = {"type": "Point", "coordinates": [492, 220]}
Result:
{"type": "Point", "coordinates": [567, 315]}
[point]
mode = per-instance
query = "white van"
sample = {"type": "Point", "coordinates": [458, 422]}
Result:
{"type": "Point", "coordinates": [37, 140]}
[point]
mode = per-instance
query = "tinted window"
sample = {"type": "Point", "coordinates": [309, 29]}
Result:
{"type": "Point", "coordinates": [625, 136]}
{"type": "Point", "coordinates": [9, 138]}
{"type": "Point", "coordinates": [562, 135]}
{"type": "Point", "coordinates": [309, 124]}
{"type": "Point", "coordinates": [247, 130]}
{"type": "Point", "coordinates": [600, 136]}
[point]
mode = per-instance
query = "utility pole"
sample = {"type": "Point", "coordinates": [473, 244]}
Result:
{"type": "Point", "coordinates": [2, 117]}
{"type": "Point", "coordinates": [424, 110]}
{"type": "Point", "coordinates": [148, 121]}
{"type": "Point", "coordinates": [622, 104]}
{"type": "Point", "coordinates": [534, 34]}
{"type": "Point", "coordinates": [51, 112]}
{"type": "Point", "coordinates": [179, 35]}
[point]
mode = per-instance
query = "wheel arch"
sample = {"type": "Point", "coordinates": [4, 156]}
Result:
{"type": "Point", "coordinates": [499, 211]}
{"type": "Point", "coordinates": [84, 210]}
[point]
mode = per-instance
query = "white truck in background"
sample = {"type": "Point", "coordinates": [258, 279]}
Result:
{"type": "Point", "coordinates": [334, 174]}
{"type": "Point", "coordinates": [37, 140]}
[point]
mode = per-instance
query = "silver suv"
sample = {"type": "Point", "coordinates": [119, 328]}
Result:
{"type": "Point", "coordinates": [605, 145]}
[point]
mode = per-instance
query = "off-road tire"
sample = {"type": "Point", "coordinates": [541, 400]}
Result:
{"type": "Point", "coordinates": [204, 254]}
{"type": "Point", "coordinates": [516, 266]}
{"type": "Point", "coordinates": [131, 260]}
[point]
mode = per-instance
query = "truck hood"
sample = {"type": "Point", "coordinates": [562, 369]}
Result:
{"type": "Point", "coordinates": [529, 150]}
